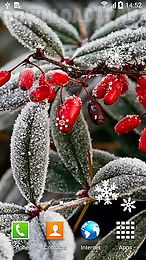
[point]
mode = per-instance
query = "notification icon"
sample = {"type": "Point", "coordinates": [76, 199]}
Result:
{"type": "Point", "coordinates": [55, 230]}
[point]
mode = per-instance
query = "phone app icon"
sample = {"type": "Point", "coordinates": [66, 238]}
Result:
{"type": "Point", "coordinates": [55, 230]}
{"type": "Point", "coordinates": [20, 230]}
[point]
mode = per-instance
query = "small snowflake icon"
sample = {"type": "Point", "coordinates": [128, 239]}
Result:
{"type": "Point", "coordinates": [105, 192]}
{"type": "Point", "coordinates": [128, 204]}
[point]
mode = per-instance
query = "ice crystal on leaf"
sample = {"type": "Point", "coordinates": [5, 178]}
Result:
{"type": "Point", "coordinates": [62, 27]}
{"type": "Point", "coordinates": [128, 204]}
{"type": "Point", "coordinates": [131, 20]}
{"type": "Point", "coordinates": [73, 148]}
{"type": "Point", "coordinates": [29, 150]}
{"type": "Point", "coordinates": [128, 174]}
{"type": "Point", "coordinates": [41, 248]}
{"type": "Point", "coordinates": [106, 192]}
{"type": "Point", "coordinates": [6, 250]}
{"type": "Point", "coordinates": [131, 42]}
{"type": "Point", "coordinates": [33, 32]}
{"type": "Point", "coordinates": [8, 213]}
{"type": "Point", "coordinates": [110, 248]}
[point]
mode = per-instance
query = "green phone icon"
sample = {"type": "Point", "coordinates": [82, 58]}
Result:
{"type": "Point", "coordinates": [20, 230]}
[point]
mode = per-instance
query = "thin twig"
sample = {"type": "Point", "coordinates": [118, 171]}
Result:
{"type": "Point", "coordinates": [71, 204]}
{"type": "Point", "coordinates": [91, 173]}
{"type": "Point", "coordinates": [80, 217]}
{"type": "Point", "coordinates": [81, 23]}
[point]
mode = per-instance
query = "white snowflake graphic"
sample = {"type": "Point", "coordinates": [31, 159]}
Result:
{"type": "Point", "coordinates": [128, 204]}
{"type": "Point", "coordinates": [106, 192]}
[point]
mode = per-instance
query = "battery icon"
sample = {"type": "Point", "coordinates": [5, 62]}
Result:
{"type": "Point", "coordinates": [120, 5]}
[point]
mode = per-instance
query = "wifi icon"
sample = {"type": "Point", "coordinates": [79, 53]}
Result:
{"type": "Point", "coordinates": [104, 3]}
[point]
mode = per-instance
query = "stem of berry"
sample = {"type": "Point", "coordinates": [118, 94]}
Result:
{"type": "Point", "coordinates": [142, 115]}
{"type": "Point", "coordinates": [35, 65]}
{"type": "Point", "coordinates": [61, 98]}
{"type": "Point", "coordinates": [25, 61]}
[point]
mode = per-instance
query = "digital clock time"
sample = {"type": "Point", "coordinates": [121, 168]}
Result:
{"type": "Point", "coordinates": [136, 5]}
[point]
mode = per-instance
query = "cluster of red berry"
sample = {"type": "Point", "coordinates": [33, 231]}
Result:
{"type": "Point", "coordinates": [67, 112]}
{"type": "Point", "coordinates": [109, 89]}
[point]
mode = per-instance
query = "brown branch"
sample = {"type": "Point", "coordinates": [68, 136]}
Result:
{"type": "Point", "coordinates": [70, 205]}
{"type": "Point", "coordinates": [80, 217]}
{"type": "Point", "coordinates": [81, 23]}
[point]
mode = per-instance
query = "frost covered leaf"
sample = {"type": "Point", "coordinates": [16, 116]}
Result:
{"type": "Point", "coordinates": [29, 150]}
{"type": "Point", "coordinates": [96, 16]}
{"type": "Point", "coordinates": [101, 158]}
{"type": "Point", "coordinates": [112, 48]}
{"type": "Point", "coordinates": [32, 32]}
{"type": "Point", "coordinates": [131, 20]}
{"type": "Point", "coordinates": [13, 98]}
{"type": "Point", "coordinates": [127, 174]}
{"type": "Point", "coordinates": [110, 248]}
{"type": "Point", "coordinates": [73, 148]}
{"type": "Point", "coordinates": [8, 213]}
{"type": "Point", "coordinates": [66, 31]}
{"type": "Point", "coordinates": [59, 179]}
{"type": "Point", "coordinates": [6, 249]}
{"type": "Point", "coordinates": [41, 248]}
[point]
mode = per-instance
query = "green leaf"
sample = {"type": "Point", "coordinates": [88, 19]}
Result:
{"type": "Point", "coordinates": [59, 179]}
{"type": "Point", "coordinates": [73, 148]}
{"type": "Point", "coordinates": [110, 248]}
{"type": "Point", "coordinates": [50, 249]}
{"type": "Point", "coordinates": [132, 20]}
{"type": "Point", "coordinates": [101, 158]}
{"type": "Point", "coordinates": [30, 150]}
{"type": "Point", "coordinates": [66, 31]}
{"type": "Point", "coordinates": [32, 32]}
{"type": "Point", "coordinates": [127, 174]}
{"type": "Point", "coordinates": [131, 42]}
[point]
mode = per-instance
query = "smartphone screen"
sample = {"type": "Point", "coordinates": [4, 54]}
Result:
{"type": "Point", "coordinates": [72, 130]}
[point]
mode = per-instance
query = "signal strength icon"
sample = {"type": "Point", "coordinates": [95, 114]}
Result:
{"type": "Point", "coordinates": [104, 3]}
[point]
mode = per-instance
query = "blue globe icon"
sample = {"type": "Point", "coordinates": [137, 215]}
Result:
{"type": "Point", "coordinates": [90, 230]}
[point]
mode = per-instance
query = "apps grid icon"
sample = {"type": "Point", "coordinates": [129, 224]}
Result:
{"type": "Point", "coordinates": [125, 230]}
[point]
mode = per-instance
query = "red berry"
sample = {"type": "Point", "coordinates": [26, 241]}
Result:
{"type": "Point", "coordinates": [55, 78]}
{"type": "Point", "coordinates": [109, 78]}
{"type": "Point", "coordinates": [124, 81]}
{"type": "Point", "coordinates": [142, 81]}
{"type": "Point", "coordinates": [96, 112]}
{"type": "Point", "coordinates": [113, 93]}
{"type": "Point", "coordinates": [67, 113]}
{"type": "Point", "coordinates": [42, 80]}
{"type": "Point", "coordinates": [26, 79]}
{"type": "Point", "coordinates": [127, 124]}
{"type": "Point", "coordinates": [100, 90]}
{"type": "Point", "coordinates": [32, 210]}
{"type": "Point", "coordinates": [141, 95]}
{"type": "Point", "coordinates": [41, 93]}
{"type": "Point", "coordinates": [142, 141]}
{"type": "Point", "coordinates": [4, 77]}
{"type": "Point", "coordinates": [82, 193]}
